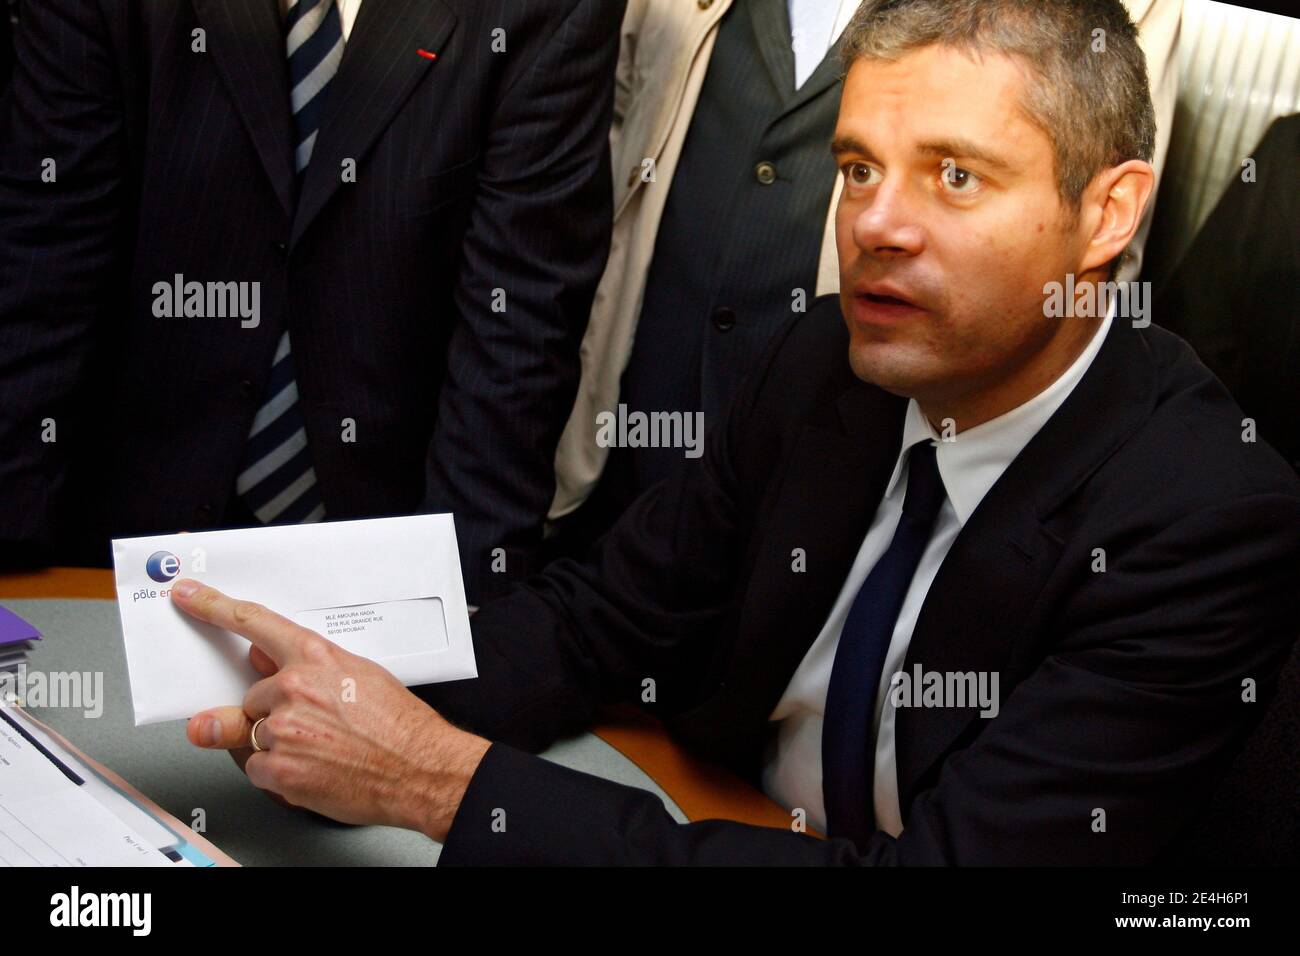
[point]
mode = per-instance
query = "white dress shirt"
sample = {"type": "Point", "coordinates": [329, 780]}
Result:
{"type": "Point", "coordinates": [815, 25]}
{"type": "Point", "coordinates": [347, 13]}
{"type": "Point", "coordinates": [969, 466]}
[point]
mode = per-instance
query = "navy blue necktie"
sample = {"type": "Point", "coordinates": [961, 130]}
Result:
{"type": "Point", "coordinates": [847, 747]}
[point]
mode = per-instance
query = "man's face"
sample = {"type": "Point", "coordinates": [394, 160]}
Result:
{"type": "Point", "coordinates": [950, 204]}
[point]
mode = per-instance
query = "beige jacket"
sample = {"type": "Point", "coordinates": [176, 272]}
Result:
{"type": "Point", "coordinates": [663, 57]}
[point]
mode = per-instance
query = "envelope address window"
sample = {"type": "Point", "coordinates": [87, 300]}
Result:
{"type": "Point", "coordinates": [383, 629]}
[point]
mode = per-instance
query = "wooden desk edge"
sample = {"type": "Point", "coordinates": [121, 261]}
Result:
{"type": "Point", "coordinates": [59, 583]}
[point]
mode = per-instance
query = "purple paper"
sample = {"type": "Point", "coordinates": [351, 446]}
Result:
{"type": "Point", "coordinates": [14, 629]}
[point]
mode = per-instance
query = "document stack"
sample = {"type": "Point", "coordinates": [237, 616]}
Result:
{"type": "Point", "coordinates": [16, 637]}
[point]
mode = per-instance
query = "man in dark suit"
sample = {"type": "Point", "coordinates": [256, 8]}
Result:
{"type": "Point", "coordinates": [730, 105]}
{"type": "Point", "coordinates": [284, 260]}
{"type": "Point", "coordinates": [1007, 586]}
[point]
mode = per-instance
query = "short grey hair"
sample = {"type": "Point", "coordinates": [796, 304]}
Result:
{"type": "Point", "coordinates": [1095, 107]}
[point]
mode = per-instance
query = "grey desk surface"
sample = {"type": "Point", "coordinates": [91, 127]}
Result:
{"type": "Point", "coordinates": [86, 636]}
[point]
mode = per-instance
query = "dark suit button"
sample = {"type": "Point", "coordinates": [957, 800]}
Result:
{"type": "Point", "coordinates": [724, 318]}
{"type": "Point", "coordinates": [203, 514]}
{"type": "Point", "coordinates": [247, 387]}
{"type": "Point", "coordinates": [281, 247]}
{"type": "Point", "coordinates": [765, 173]}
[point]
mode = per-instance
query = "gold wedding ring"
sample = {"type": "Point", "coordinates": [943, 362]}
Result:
{"type": "Point", "coordinates": [252, 735]}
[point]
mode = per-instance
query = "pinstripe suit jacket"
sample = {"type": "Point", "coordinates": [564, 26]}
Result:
{"type": "Point", "coordinates": [436, 303]}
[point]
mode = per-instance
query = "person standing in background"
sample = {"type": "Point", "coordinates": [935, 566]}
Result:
{"type": "Point", "coordinates": [394, 213]}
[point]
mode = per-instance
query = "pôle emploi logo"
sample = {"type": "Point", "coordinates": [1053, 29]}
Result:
{"type": "Point", "coordinates": [161, 566]}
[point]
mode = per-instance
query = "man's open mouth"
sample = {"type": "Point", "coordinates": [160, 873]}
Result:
{"type": "Point", "coordinates": [887, 300]}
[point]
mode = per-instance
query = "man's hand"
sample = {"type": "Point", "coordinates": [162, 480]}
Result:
{"type": "Point", "coordinates": [342, 736]}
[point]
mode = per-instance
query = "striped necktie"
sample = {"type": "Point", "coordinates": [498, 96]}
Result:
{"type": "Point", "coordinates": [277, 481]}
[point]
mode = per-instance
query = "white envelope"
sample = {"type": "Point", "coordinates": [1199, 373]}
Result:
{"type": "Point", "coordinates": [388, 589]}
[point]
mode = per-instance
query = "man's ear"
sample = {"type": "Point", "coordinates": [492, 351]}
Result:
{"type": "Point", "coordinates": [1113, 204]}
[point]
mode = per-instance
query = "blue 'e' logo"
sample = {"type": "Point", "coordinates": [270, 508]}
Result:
{"type": "Point", "coordinates": [162, 566]}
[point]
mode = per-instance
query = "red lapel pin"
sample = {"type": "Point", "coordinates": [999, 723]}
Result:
{"type": "Point", "coordinates": [427, 55]}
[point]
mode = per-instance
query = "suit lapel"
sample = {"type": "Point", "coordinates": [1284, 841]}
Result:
{"type": "Point", "coordinates": [244, 40]}
{"type": "Point", "coordinates": [826, 75]}
{"type": "Point", "coordinates": [985, 591]}
{"type": "Point", "coordinates": [379, 69]}
{"type": "Point", "coordinates": [972, 614]}
{"type": "Point", "coordinates": [833, 484]}
{"type": "Point", "coordinates": [771, 25]}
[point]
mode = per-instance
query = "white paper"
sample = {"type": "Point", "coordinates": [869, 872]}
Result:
{"type": "Point", "coordinates": [389, 588]}
{"type": "Point", "coordinates": [119, 804]}
{"type": "Point", "coordinates": [48, 819]}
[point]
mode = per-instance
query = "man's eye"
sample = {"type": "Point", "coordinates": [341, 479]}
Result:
{"type": "Point", "coordinates": [859, 174]}
{"type": "Point", "coordinates": [958, 180]}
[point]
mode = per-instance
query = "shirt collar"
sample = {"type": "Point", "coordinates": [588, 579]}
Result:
{"type": "Point", "coordinates": [971, 463]}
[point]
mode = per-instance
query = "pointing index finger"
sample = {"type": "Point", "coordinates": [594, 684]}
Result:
{"type": "Point", "coordinates": [281, 639]}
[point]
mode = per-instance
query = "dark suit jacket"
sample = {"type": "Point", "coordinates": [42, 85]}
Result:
{"type": "Point", "coordinates": [1120, 691]}
{"type": "Point", "coordinates": [1235, 296]}
{"type": "Point", "coordinates": [437, 302]}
